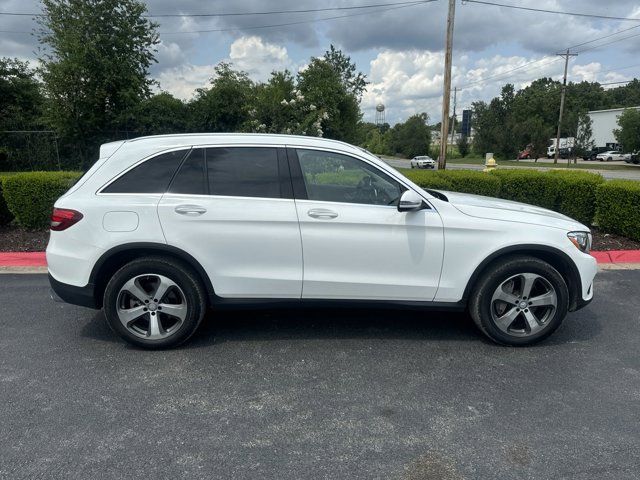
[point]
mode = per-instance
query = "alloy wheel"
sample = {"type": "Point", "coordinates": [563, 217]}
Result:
{"type": "Point", "coordinates": [151, 306]}
{"type": "Point", "coordinates": [523, 304]}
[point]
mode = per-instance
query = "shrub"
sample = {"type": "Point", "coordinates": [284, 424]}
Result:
{"type": "Point", "coordinates": [30, 196]}
{"type": "Point", "coordinates": [426, 179]}
{"type": "Point", "coordinates": [528, 186]}
{"type": "Point", "coordinates": [469, 181]}
{"type": "Point", "coordinates": [576, 194]}
{"type": "Point", "coordinates": [5, 214]}
{"type": "Point", "coordinates": [618, 207]}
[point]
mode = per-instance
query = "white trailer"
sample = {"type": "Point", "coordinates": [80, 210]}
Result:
{"type": "Point", "coordinates": [603, 123]}
{"type": "Point", "coordinates": [565, 142]}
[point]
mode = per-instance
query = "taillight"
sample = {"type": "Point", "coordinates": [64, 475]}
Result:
{"type": "Point", "coordinates": [63, 218]}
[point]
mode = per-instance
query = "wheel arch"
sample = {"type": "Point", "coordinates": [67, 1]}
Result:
{"type": "Point", "coordinates": [116, 257]}
{"type": "Point", "coordinates": [553, 256]}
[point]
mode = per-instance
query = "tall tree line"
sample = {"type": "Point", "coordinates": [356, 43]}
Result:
{"type": "Point", "coordinates": [515, 119]}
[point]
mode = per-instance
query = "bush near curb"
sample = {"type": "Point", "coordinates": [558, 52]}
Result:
{"type": "Point", "coordinates": [572, 193]}
{"type": "Point", "coordinates": [5, 214]}
{"type": "Point", "coordinates": [576, 194]}
{"type": "Point", "coordinates": [30, 196]}
{"type": "Point", "coordinates": [457, 181]}
{"type": "Point", "coordinates": [426, 179]}
{"type": "Point", "coordinates": [618, 207]}
{"type": "Point", "coordinates": [528, 186]}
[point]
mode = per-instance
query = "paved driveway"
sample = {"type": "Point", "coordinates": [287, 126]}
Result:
{"type": "Point", "coordinates": [319, 394]}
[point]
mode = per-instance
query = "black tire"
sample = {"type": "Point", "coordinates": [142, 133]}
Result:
{"type": "Point", "coordinates": [609, 159]}
{"type": "Point", "coordinates": [175, 270]}
{"type": "Point", "coordinates": [494, 276]}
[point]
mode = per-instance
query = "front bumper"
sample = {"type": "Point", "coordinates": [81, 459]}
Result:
{"type": "Point", "coordinates": [82, 296]}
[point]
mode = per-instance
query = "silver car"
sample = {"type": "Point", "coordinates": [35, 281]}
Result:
{"type": "Point", "coordinates": [424, 161]}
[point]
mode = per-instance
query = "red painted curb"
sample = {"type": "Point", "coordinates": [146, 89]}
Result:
{"type": "Point", "coordinates": [23, 259]}
{"type": "Point", "coordinates": [38, 259]}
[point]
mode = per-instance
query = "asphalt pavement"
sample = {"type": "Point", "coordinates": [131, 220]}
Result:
{"type": "Point", "coordinates": [315, 394]}
{"type": "Point", "coordinates": [632, 173]}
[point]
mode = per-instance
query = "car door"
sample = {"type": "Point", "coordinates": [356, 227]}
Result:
{"type": "Point", "coordinates": [356, 244]}
{"type": "Point", "coordinates": [232, 209]}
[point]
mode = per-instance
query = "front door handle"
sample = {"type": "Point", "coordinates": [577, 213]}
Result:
{"type": "Point", "coordinates": [322, 213]}
{"type": "Point", "coordinates": [190, 210]}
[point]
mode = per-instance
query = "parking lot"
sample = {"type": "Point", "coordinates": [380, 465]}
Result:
{"type": "Point", "coordinates": [340, 394]}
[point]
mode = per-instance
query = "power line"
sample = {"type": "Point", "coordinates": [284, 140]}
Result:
{"type": "Point", "coordinates": [505, 74]}
{"type": "Point", "coordinates": [284, 24]}
{"type": "Point", "coordinates": [603, 37]}
{"type": "Point", "coordinates": [558, 12]}
{"type": "Point", "coordinates": [243, 14]}
{"type": "Point", "coordinates": [609, 43]}
{"type": "Point", "coordinates": [618, 83]}
{"type": "Point", "coordinates": [300, 22]}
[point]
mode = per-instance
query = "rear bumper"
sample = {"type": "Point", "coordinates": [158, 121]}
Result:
{"type": "Point", "coordinates": [82, 296]}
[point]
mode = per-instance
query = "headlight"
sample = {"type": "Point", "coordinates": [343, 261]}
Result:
{"type": "Point", "coordinates": [582, 240]}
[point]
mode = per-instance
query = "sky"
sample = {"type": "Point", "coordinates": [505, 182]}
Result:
{"type": "Point", "coordinates": [399, 48]}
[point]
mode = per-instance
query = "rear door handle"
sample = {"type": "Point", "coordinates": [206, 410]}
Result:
{"type": "Point", "coordinates": [322, 213]}
{"type": "Point", "coordinates": [190, 210]}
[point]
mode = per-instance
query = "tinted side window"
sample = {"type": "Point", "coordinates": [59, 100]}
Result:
{"type": "Point", "coordinates": [151, 176]}
{"type": "Point", "coordinates": [191, 178]}
{"type": "Point", "coordinates": [332, 177]}
{"type": "Point", "coordinates": [243, 172]}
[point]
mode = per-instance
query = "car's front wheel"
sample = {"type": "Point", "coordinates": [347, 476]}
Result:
{"type": "Point", "coordinates": [519, 301]}
{"type": "Point", "coordinates": [154, 302]}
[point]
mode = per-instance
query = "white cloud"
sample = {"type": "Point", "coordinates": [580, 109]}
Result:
{"type": "Point", "coordinates": [182, 81]}
{"type": "Point", "coordinates": [250, 54]}
{"type": "Point", "coordinates": [257, 57]}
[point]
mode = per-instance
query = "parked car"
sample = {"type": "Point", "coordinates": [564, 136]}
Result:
{"type": "Point", "coordinates": [633, 158]}
{"type": "Point", "coordinates": [593, 154]}
{"type": "Point", "coordinates": [423, 161]}
{"type": "Point", "coordinates": [610, 155]}
{"type": "Point", "coordinates": [526, 154]}
{"type": "Point", "coordinates": [161, 228]}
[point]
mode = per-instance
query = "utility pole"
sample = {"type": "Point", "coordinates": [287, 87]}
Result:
{"type": "Point", "coordinates": [562, 94]}
{"type": "Point", "coordinates": [446, 97]}
{"type": "Point", "coordinates": [453, 118]}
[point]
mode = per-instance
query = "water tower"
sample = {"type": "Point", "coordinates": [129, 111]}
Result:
{"type": "Point", "coordinates": [379, 115]}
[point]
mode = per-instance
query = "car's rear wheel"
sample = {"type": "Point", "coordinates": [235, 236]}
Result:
{"type": "Point", "coordinates": [519, 301]}
{"type": "Point", "coordinates": [154, 302]}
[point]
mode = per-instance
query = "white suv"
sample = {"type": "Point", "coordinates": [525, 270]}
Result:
{"type": "Point", "coordinates": [160, 228]}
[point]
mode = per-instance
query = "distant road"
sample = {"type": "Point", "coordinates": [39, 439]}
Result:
{"type": "Point", "coordinates": [608, 174]}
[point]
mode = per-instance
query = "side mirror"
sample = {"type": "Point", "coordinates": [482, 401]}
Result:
{"type": "Point", "coordinates": [410, 201]}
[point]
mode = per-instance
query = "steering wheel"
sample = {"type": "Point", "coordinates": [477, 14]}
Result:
{"type": "Point", "coordinates": [368, 192]}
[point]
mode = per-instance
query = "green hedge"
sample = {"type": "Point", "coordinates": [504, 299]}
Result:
{"type": "Point", "coordinates": [528, 186]}
{"type": "Point", "coordinates": [576, 194]}
{"type": "Point", "coordinates": [570, 192]}
{"type": "Point", "coordinates": [466, 181]}
{"type": "Point", "coordinates": [30, 196]}
{"type": "Point", "coordinates": [5, 214]}
{"type": "Point", "coordinates": [618, 209]}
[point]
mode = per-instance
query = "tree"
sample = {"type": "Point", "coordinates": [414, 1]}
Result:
{"type": "Point", "coordinates": [463, 146]}
{"type": "Point", "coordinates": [628, 135]}
{"type": "Point", "coordinates": [21, 104]}
{"type": "Point", "coordinates": [412, 137]}
{"type": "Point", "coordinates": [584, 135]}
{"type": "Point", "coordinates": [322, 85]}
{"type": "Point", "coordinates": [162, 113]}
{"type": "Point", "coordinates": [225, 106]}
{"type": "Point", "coordinates": [95, 61]}
{"type": "Point", "coordinates": [355, 82]}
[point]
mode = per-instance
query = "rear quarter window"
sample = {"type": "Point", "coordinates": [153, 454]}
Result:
{"type": "Point", "coordinates": [151, 176]}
